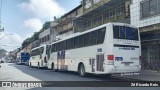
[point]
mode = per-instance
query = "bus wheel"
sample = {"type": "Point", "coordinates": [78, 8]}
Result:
{"type": "Point", "coordinates": [38, 66]}
{"type": "Point", "coordinates": [30, 64]}
{"type": "Point", "coordinates": [53, 68]}
{"type": "Point", "coordinates": [82, 70]}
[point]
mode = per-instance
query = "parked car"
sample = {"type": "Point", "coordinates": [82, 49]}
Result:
{"type": "Point", "coordinates": [2, 61]}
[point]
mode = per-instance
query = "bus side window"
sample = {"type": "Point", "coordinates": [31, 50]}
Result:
{"type": "Point", "coordinates": [76, 42]}
{"type": "Point", "coordinates": [86, 39]}
{"type": "Point", "coordinates": [101, 35]}
{"type": "Point", "coordinates": [116, 32]}
{"type": "Point", "coordinates": [93, 38]}
{"type": "Point", "coordinates": [64, 45]}
{"type": "Point", "coordinates": [81, 41]}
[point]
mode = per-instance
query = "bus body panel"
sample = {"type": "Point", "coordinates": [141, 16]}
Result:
{"type": "Point", "coordinates": [127, 52]}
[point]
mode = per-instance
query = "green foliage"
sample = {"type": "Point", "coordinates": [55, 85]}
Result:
{"type": "Point", "coordinates": [57, 20]}
{"type": "Point", "coordinates": [35, 36]}
{"type": "Point", "coordinates": [46, 25]}
{"type": "Point", "coordinates": [2, 51]}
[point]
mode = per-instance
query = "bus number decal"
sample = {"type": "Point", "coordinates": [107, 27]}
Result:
{"type": "Point", "coordinates": [118, 58]}
{"type": "Point", "coordinates": [126, 48]}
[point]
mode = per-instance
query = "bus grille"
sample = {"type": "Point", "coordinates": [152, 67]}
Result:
{"type": "Point", "coordinates": [100, 60]}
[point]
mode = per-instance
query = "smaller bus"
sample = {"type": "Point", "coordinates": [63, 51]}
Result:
{"type": "Point", "coordinates": [23, 58]}
{"type": "Point", "coordinates": [39, 57]}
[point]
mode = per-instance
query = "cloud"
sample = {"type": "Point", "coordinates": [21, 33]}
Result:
{"type": "Point", "coordinates": [33, 24]}
{"type": "Point", "coordinates": [10, 42]}
{"type": "Point", "coordinates": [44, 9]}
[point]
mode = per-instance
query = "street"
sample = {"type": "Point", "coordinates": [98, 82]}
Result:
{"type": "Point", "coordinates": [13, 72]}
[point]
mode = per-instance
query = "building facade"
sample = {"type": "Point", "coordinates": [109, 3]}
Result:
{"type": "Point", "coordinates": [145, 14]}
{"type": "Point", "coordinates": [44, 37]}
{"type": "Point", "coordinates": [65, 27]}
{"type": "Point", "coordinates": [98, 12]}
{"type": "Point", "coordinates": [35, 43]}
{"type": "Point", "coordinates": [27, 48]}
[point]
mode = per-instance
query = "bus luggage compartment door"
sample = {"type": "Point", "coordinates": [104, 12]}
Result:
{"type": "Point", "coordinates": [99, 62]}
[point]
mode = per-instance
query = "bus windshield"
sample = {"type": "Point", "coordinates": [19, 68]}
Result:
{"type": "Point", "coordinates": [24, 54]}
{"type": "Point", "coordinates": [124, 32]}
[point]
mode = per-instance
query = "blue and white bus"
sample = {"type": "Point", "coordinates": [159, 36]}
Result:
{"type": "Point", "coordinates": [106, 49]}
{"type": "Point", "coordinates": [23, 58]}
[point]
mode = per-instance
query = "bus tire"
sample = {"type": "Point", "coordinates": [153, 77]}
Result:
{"type": "Point", "coordinates": [30, 64]}
{"type": "Point", "coordinates": [38, 66]}
{"type": "Point", "coordinates": [53, 68]}
{"type": "Point", "coordinates": [81, 70]}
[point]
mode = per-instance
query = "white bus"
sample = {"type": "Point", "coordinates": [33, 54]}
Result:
{"type": "Point", "coordinates": [38, 57]}
{"type": "Point", "coordinates": [106, 49]}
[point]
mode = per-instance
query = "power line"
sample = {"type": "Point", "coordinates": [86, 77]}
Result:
{"type": "Point", "coordinates": [13, 40]}
{"type": "Point", "coordinates": [8, 46]}
{"type": "Point", "coordinates": [8, 36]}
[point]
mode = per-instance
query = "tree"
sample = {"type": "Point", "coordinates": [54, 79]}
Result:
{"type": "Point", "coordinates": [35, 36]}
{"type": "Point", "coordinates": [2, 50]}
{"type": "Point", "coordinates": [46, 25]}
{"type": "Point", "coordinates": [57, 20]}
{"type": "Point", "coordinates": [26, 42]}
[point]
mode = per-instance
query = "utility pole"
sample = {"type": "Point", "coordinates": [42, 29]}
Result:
{"type": "Point", "coordinates": [1, 28]}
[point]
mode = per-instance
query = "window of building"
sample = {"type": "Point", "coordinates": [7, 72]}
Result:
{"type": "Point", "coordinates": [153, 7]}
{"type": "Point", "coordinates": [43, 40]}
{"type": "Point", "coordinates": [109, 14]}
{"type": "Point", "coordinates": [120, 9]}
{"type": "Point", "coordinates": [40, 41]}
{"type": "Point", "coordinates": [97, 20]}
{"type": "Point", "coordinates": [48, 38]}
{"type": "Point", "coordinates": [150, 8]}
{"type": "Point", "coordinates": [87, 24]}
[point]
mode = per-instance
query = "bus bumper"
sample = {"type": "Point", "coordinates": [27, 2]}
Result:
{"type": "Point", "coordinates": [122, 69]}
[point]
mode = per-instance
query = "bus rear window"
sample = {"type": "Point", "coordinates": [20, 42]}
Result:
{"type": "Point", "coordinates": [123, 32]}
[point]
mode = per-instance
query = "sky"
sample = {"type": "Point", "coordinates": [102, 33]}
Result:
{"type": "Point", "coordinates": [21, 18]}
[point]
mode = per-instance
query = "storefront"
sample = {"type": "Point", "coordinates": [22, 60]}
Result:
{"type": "Point", "coordinates": [151, 50]}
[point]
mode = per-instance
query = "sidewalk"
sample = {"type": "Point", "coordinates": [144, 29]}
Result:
{"type": "Point", "coordinates": [145, 75]}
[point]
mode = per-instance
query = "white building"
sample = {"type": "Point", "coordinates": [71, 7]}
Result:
{"type": "Point", "coordinates": [145, 14]}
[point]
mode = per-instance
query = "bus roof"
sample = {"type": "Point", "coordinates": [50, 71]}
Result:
{"type": "Point", "coordinates": [39, 47]}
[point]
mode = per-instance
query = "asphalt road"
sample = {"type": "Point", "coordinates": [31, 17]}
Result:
{"type": "Point", "coordinates": [13, 72]}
